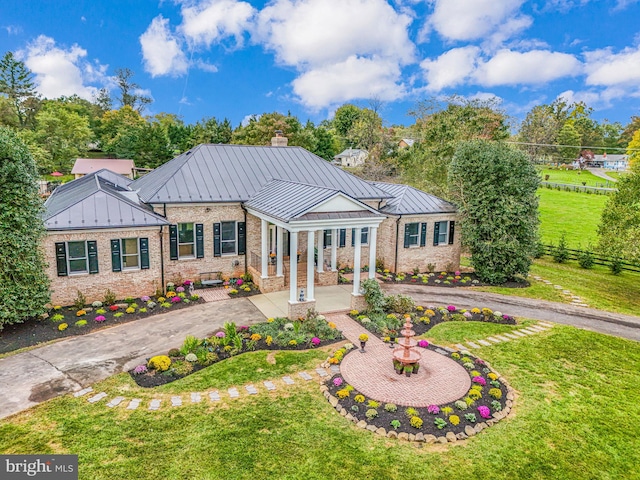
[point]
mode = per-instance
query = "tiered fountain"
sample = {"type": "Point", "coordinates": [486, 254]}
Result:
{"type": "Point", "coordinates": [406, 357]}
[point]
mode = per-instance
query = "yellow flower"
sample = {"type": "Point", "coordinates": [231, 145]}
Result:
{"type": "Point", "coordinates": [419, 308]}
{"type": "Point", "coordinates": [255, 337]}
{"type": "Point", "coordinates": [363, 337]}
{"type": "Point", "coordinates": [333, 361]}
{"type": "Point", "coordinates": [353, 312]}
{"type": "Point", "coordinates": [475, 310]}
{"type": "Point", "coordinates": [332, 325]}
{"type": "Point", "coordinates": [62, 326]}
{"type": "Point", "coordinates": [80, 313]}
{"type": "Point", "coordinates": [270, 319]}
{"type": "Point", "coordinates": [268, 340]}
{"type": "Point", "coordinates": [292, 342]}
{"type": "Point", "coordinates": [57, 307]}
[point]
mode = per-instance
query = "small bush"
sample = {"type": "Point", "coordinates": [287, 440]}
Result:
{"type": "Point", "coordinates": [416, 422]}
{"type": "Point", "coordinates": [118, 314]}
{"type": "Point", "coordinates": [182, 367]}
{"type": "Point", "coordinates": [454, 420]}
{"type": "Point", "coordinates": [174, 352]}
{"type": "Point", "coordinates": [160, 363]}
{"type": "Point", "coordinates": [62, 327]}
{"type": "Point", "coordinates": [191, 357]}
{"type": "Point", "coordinates": [496, 405]}
{"type": "Point", "coordinates": [344, 393]}
{"type": "Point", "coordinates": [109, 297]}
{"type": "Point", "coordinates": [371, 413]}
{"type": "Point", "coordinates": [471, 417]}
{"type": "Point", "coordinates": [189, 345]}
{"type": "Point", "coordinates": [585, 259]}
{"type": "Point", "coordinates": [616, 266]}
{"type": "Point", "coordinates": [560, 253]}
{"type": "Point", "coordinates": [359, 398]}
{"type": "Point", "coordinates": [96, 304]}
{"type": "Point", "coordinates": [411, 412]}
{"type": "Point", "coordinates": [395, 424]}
{"type": "Point", "coordinates": [80, 323]}
{"type": "Point", "coordinates": [439, 423]}
{"type": "Point", "coordinates": [80, 300]}
{"type": "Point", "coordinates": [58, 317]}
{"type": "Point", "coordinates": [391, 407]}
{"type": "Point", "coordinates": [496, 393]}
{"type": "Point", "coordinates": [101, 311]}
{"type": "Point", "coordinates": [461, 405]}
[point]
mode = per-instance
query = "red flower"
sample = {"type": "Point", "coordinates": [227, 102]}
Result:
{"type": "Point", "coordinates": [113, 308]}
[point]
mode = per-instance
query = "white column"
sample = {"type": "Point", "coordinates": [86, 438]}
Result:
{"type": "Point", "coordinates": [373, 231]}
{"type": "Point", "coordinates": [320, 266]}
{"type": "Point", "coordinates": [334, 249]}
{"type": "Point", "coordinates": [279, 250]}
{"type": "Point", "coordinates": [293, 267]}
{"type": "Point", "coordinates": [356, 261]}
{"type": "Point", "coordinates": [265, 249]}
{"type": "Point", "coordinates": [310, 270]}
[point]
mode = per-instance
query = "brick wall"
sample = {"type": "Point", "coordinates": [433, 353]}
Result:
{"type": "Point", "coordinates": [124, 283]}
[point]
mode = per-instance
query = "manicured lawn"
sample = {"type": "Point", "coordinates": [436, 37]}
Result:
{"type": "Point", "coordinates": [576, 417]}
{"type": "Point", "coordinates": [457, 332]}
{"type": "Point", "coordinates": [597, 286]}
{"type": "Point", "coordinates": [575, 214]}
{"type": "Point", "coordinates": [572, 177]}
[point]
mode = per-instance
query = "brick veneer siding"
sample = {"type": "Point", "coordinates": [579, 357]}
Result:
{"type": "Point", "coordinates": [124, 284]}
{"type": "Point", "coordinates": [182, 269]}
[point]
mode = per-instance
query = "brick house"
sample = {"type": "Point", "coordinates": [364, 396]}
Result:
{"type": "Point", "coordinates": [282, 214]}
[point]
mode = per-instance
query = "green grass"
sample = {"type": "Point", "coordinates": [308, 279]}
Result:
{"type": "Point", "coordinates": [575, 214]}
{"type": "Point", "coordinates": [576, 417]}
{"type": "Point", "coordinates": [457, 332]}
{"type": "Point", "coordinates": [62, 179]}
{"type": "Point", "coordinates": [597, 286]}
{"type": "Point", "coordinates": [572, 177]}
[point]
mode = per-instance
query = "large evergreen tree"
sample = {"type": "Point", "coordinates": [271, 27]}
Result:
{"type": "Point", "coordinates": [24, 285]}
{"type": "Point", "coordinates": [494, 186]}
{"type": "Point", "coordinates": [16, 82]}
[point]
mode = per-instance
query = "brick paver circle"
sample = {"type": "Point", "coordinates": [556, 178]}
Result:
{"type": "Point", "coordinates": [440, 379]}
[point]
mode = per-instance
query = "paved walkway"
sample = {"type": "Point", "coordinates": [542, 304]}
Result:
{"type": "Point", "coordinates": [618, 324]}
{"type": "Point", "coordinates": [602, 173]}
{"type": "Point", "coordinates": [439, 380]}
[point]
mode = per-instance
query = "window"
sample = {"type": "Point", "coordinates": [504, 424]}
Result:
{"type": "Point", "coordinates": [327, 238]}
{"type": "Point", "coordinates": [412, 234]}
{"type": "Point", "coordinates": [364, 236]}
{"type": "Point", "coordinates": [228, 238]}
{"type": "Point", "coordinates": [443, 232]}
{"type": "Point", "coordinates": [77, 257]}
{"type": "Point", "coordinates": [186, 240]}
{"type": "Point", "coordinates": [130, 253]}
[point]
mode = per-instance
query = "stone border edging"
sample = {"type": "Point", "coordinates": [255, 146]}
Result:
{"type": "Point", "coordinates": [448, 437]}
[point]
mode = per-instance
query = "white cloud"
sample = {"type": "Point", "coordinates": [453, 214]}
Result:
{"type": "Point", "coordinates": [475, 19]}
{"type": "Point", "coordinates": [206, 67]}
{"type": "Point", "coordinates": [212, 21]}
{"type": "Point", "coordinates": [353, 78]}
{"type": "Point", "coordinates": [606, 68]}
{"type": "Point", "coordinates": [323, 32]}
{"type": "Point", "coordinates": [526, 68]}
{"type": "Point", "coordinates": [161, 51]}
{"type": "Point", "coordinates": [451, 68]}
{"type": "Point", "coordinates": [599, 98]}
{"type": "Point", "coordinates": [60, 71]}
{"type": "Point", "coordinates": [622, 4]}
{"type": "Point", "coordinates": [13, 29]}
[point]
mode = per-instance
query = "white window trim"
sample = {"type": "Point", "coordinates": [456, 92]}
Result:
{"type": "Point", "coordinates": [416, 235]}
{"type": "Point", "coordinates": [446, 234]}
{"type": "Point", "coordinates": [122, 255]}
{"type": "Point", "coordinates": [329, 234]}
{"type": "Point", "coordinates": [86, 258]}
{"type": "Point", "coordinates": [235, 239]}
{"type": "Point", "coordinates": [187, 257]}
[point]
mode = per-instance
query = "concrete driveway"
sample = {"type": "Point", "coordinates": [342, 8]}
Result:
{"type": "Point", "coordinates": [29, 378]}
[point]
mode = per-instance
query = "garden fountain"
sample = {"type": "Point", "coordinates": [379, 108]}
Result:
{"type": "Point", "coordinates": [406, 357]}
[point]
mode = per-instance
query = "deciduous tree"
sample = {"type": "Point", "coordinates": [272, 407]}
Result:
{"type": "Point", "coordinates": [24, 285]}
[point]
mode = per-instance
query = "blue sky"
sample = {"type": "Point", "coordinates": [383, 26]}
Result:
{"type": "Point", "coordinates": [231, 58]}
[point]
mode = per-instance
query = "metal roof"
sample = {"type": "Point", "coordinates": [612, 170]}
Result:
{"type": "Point", "coordinates": [290, 200]}
{"type": "Point", "coordinates": [408, 200]}
{"type": "Point", "coordinates": [93, 201]}
{"type": "Point", "coordinates": [233, 173]}
{"type": "Point", "coordinates": [351, 152]}
{"type": "Point", "coordinates": [84, 166]}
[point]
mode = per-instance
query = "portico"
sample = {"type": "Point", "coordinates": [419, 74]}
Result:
{"type": "Point", "coordinates": [315, 213]}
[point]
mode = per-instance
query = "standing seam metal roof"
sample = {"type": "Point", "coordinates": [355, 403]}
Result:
{"type": "Point", "coordinates": [233, 173]}
{"type": "Point", "coordinates": [408, 200]}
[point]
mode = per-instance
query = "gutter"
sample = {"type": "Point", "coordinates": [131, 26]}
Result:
{"type": "Point", "coordinates": [161, 259]}
{"type": "Point", "coordinates": [246, 234]}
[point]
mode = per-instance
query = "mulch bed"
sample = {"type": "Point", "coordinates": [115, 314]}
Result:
{"type": "Point", "coordinates": [385, 417]}
{"type": "Point", "coordinates": [34, 331]}
{"type": "Point", "coordinates": [450, 279]}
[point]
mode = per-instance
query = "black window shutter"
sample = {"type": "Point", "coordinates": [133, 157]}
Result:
{"type": "Point", "coordinates": [452, 227]}
{"type": "Point", "coordinates": [61, 259]}
{"type": "Point", "coordinates": [406, 235]}
{"type": "Point", "coordinates": [92, 247]}
{"type": "Point", "coordinates": [173, 242]}
{"type": "Point", "coordinates": [217, 246]}
{"type": "Point", "coordinates": [353, 237]}
{"type": "Point", "coordinates": [343, 237]}
{"type": "Point", "coordinates": [423, 234]}
{"type": "Point", "coordinates": [242, 238]}
{"type": "Point", "coordinates": [288, 249]}
{"type": "Point", "coordinates": [116, 261]}
{"type": "Point", "coordinates": [144, 253]}
{"type": "Point", "coordinates": [199, 240]}
{"type": "Point", "coordinates": [436, 233]}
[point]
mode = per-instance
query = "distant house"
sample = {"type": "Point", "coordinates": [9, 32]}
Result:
{"type": "Point", "coordinates": [235, 209]}
{"type": "Point", "coordinates": [85, 166]}
{"type": "Point", "coordinates": [351, 157]}
{"type": "Point", "coordinates": [611, 162]}
{"type": "Point", "coordinates": [406, 143]}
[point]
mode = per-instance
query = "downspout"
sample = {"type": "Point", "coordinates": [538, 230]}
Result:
{"type": "Point", "coordinates": [395, 263]}
{"type": "Point", "coordinates": [162, 260]}
{"type": "Point", "coordinates": [246, 234]}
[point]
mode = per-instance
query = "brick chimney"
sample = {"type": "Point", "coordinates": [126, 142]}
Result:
{"type": "Point", "coordinates": [279, 140]}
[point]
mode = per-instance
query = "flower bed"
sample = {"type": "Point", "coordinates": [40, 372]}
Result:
{"type": "Point", "coordinates": [196, 354]}
{"type": "Point", "coordinates": [82, 318]}
{"type": "Point", "coordinates": [485, 403]}
{"type": "Point", "coordinates": [241, 287]}
{"type": "Point", "coordinates": [443, 279]}
{"type": "Point", "coordinates": [387, 326]}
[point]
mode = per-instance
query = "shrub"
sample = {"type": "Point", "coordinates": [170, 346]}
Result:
{"type": "Point", "coordinates": [195, 297]}
{"type": "Point", "coordinates": [416, 422]}
{"type": "Point", "coordinates": [140, 369]}
{"type": "Point", "coordinates": [496, 393]}
{"type": "Point", "coordinates": [496, 405]}
{"type": "Point", "coordinates": [395, 424]}
{"type": "Point", "coordinates": [454, 420]}
{"type": "Point", "coordinates": [373, 404]}
{"type": "Point", "coordinates": [484, 411]}
{"type": "Point", "coordinates": [446, 411]}
{"type": "Point", "coordinates": [391, 407]}
{"type": "Point", "coordinates": [151, 304]}
{"type": "Point", "coordinates": [433, 409]}
{"type": "Point", "coordinates": [191, 357]}
{"type": "Point", "coordinates": [344, 393]}
{"type": "Point", "coordinates": [469, 401]}
{"type": "Point", "coordinates": [96, 304]}
{"type": "Point", "coordinates": [100, 318]}
{"type": "Point", "coordinates": [81, 323]}
{"type": "Point", "coordinates": [174, 352]}
{"type": "Point", "coordinates": [101, 311]}
{"type": "Point", "coordinates": [118, 314]}
{"type": "Point", "coordinates": [142, 310]}
{"type": "Point", "coordinates": [130, 310]}
{"type": "Point", "coordinates": [471, 417]}
{"type": "Point", "coordinates": [165, 305]}
{"type": "Point", "coordinates": [616, 266]}
{"type": "Point", "coordinates": [585, 259]}
{"type": "Point", "coordinates": [80, 313]}
{"type": "Point", "coordinates": [80, 300]}
{"type": "Point", "coordinates": [58, 317]}
{"type": "Point", "coordinates": [411, 412]}
{"type": "Point", "coordinates": [62, 327]}
{"type": "Point", "coordinates": [359, 398]}
{"type": "Point", "coordinates": [109, 297]}
{"type": "Point", "coordinates": [189, 345]}
{"type": "Point", "coordinates": [182, 367]}
{"type": "Point", "coordinates": [560, 253]}
{"type": "Point", "coordinates": [160, 363]}
{"type": "Point", "coordinates": [461, 405]}
{"type": "Point", "coordinates": [371, 413]}
{"type": "Point", "coordinates": [439, 423]}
